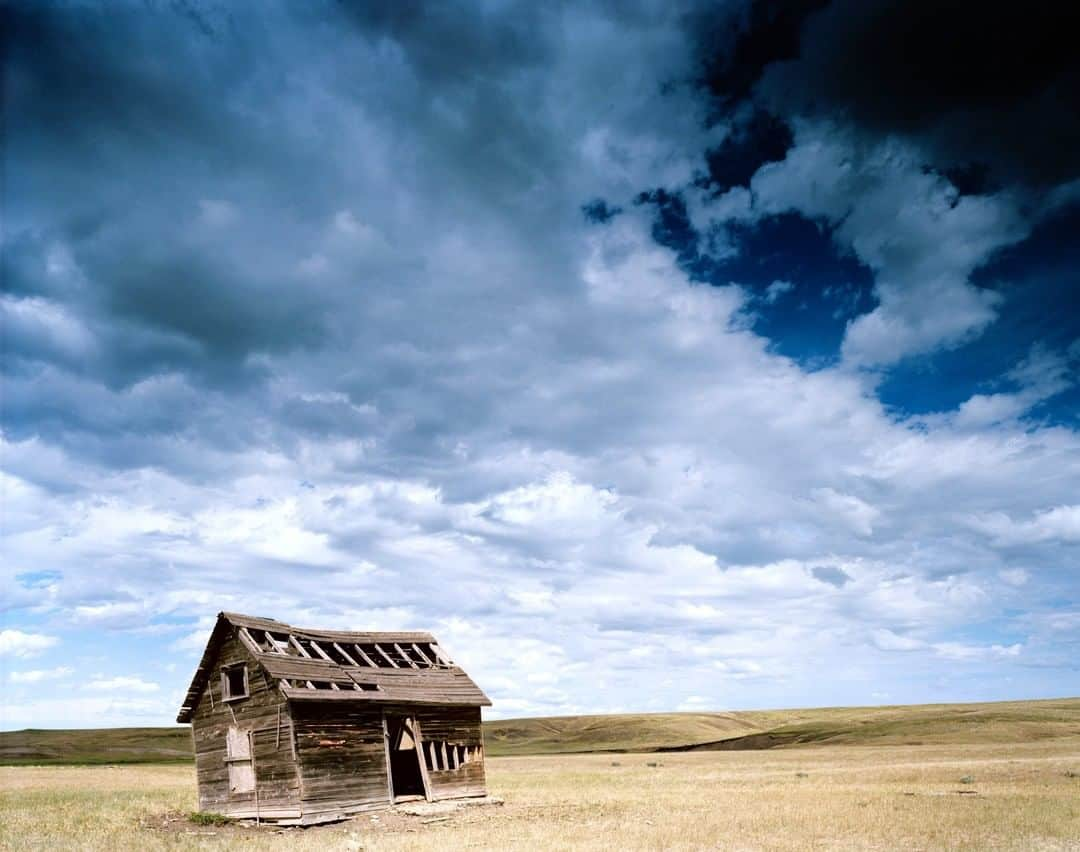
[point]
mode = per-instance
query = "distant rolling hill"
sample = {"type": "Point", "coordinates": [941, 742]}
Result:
{"type": "Point", "coordinates": [97, 745]}
{"type": "Point", "coordinates": [1009, 721]}
{"type": "Point", "coordinates": [998, 722]}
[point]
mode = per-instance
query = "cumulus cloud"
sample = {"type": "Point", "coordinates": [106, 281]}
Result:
{"type": "Point", "coordinates": [71, 711]}
{"type": "Point", "coordinates": [903, 167]}
{"type": "Point", "coordinates": [905, 223]}
{"type": "Point", "coordinates": [18, 643]}
{"type": "Point", "coordinates": [854, 60]}
{"type": "Point", "coordinates": [1039, 377]}
{"type": "Point", "coordinates": [887, 640]}
{"type": "Point", "coordinates": [1014, 576]}
{"type": "Point", "coordinates": [39, 675]}
{"type": "Point", "coordinates": [1060, 523]}
{"type": "Point", "coordinates": [122, 685]}
{"type": "Point", "coordinates": [340, 347]}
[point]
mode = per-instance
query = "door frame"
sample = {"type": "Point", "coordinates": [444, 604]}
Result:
{"type": "Point", "coordinates": [411, 725]}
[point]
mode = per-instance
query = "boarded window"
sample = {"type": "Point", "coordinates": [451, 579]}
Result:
{"type": "Point", "coordinates": [234, 682]}
{"type": "Point", "coordinates": [442, 756]}
{"type": "Point", "coordinates": [238, 759]}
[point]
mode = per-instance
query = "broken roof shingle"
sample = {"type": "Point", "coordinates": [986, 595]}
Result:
{"type": "Point", "coordinates": [334, 665]}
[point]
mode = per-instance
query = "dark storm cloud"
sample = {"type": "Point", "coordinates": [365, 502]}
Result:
{"type": "Point", "coordinates": [759, 139]}
{"type": "Point", "coordinates": [995, 86]}
{"type": "Point", "coordinates": [93, 91]}
{"type": "Point", "coordinates": [449, 44]}
{"type": "Point", "coordinates": [123, 121]}
{"type": "Point", "coordinates": [739, 41]}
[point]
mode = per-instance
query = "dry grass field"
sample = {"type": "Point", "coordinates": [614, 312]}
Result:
{"type": "Point", "coordinates": [912, 724]}
{"type": "Point", "coordinates": [1003, 776]}
{"type": "Point", "coordinates": [1022, 796]}
{"type": "Point", "coordinates": [945, 724]}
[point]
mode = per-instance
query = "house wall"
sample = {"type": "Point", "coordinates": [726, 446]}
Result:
{"type": "Point", "coordinates": [455, 725]}
{"type": "Point", "coordinates": [342, 756]}
{"type": "Point", "coordinates": [312, 758]}
{"type": "Point", "coordinates": [265, 715]}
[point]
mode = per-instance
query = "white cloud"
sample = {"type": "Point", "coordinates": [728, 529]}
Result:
{"type": "Point", "coordinates": [906, 224]}
{"type": "Point", "coordinates": [694, 703]}
{"type": "Point", "coordinates": [777, 289]}
{"type": "Point", "coordinates": [430, 395]}
{"type": "Point", "coordinates": [1014, 576]}
{"type": "Point", "coordinates": [856, 513]}
{"type": "Point", "coordinates": [1061, 523]}
{"type": "Point", "coordinates": [123, 685]}
{"type": "Point", "coordinates": [960, 651]}
{"type": "Point", "coordinates": [1042, 375]}
{"type": "Point", "coordinates": [887, 640]}
{"type": "Point", "coordinates": [72, 711]}
{"type": "Point", "coordinates": [17, 643]}
{"type": "Point", "coordinates": [39, 675]}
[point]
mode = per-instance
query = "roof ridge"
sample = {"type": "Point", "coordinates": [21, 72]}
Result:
{"type": "Point", "coordinates": [241, 620]}
{"type": "Point", "coordinates": [406, 680]}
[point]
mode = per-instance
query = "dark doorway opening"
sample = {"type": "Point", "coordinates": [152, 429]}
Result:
{"type": "Point", "coordinates": [405, 770]}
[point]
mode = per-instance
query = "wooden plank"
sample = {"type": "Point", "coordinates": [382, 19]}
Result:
{"type": "Point", "coordinates": [321, 652]}
{"type": "Point", "coordinates": [405, 698]}
{"type": "Point", "coordinates": [343, 653]}
{"type": "Point", "coordinates": [254, 776]}
{"type": "Point", "coordinates": [238, 619]}
{"type": "Point", "coordinates": [294, 667]}
{"type": "Point", "coordinates": [303, 651]}
{"type": "Point", "coordinates": [441, 655]}
{"type": "Point", "coordinates": [365, 657]}
{"type": "Point", "coordinates": [386, 656]}
{"type": "Point", "coordinates": [405, 656]}
{"type": "Point", "coordinates": [418, 739]}
{"type": "Point", "coordinates": [423, 656]}
{"type": "Point", "coordinates": [249, 641]}
{"type": "Point", "coordinates": [386, 752]}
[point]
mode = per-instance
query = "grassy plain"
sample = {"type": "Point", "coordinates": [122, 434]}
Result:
{"type": "Point", "coordinates": [992, 722]}
{"type": "Point", "coordinates": [1002, 776]}
{"type": "Point", "coordinates": [1020, 796]}
{"type": "Point", "coordinates": [996, 722]}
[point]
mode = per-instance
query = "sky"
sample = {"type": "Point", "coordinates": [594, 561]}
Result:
{"type": "Point", "coordinates": [653, 355]}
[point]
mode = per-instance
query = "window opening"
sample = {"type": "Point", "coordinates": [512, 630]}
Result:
{"type": "Point", "coordinates": [234, 682]}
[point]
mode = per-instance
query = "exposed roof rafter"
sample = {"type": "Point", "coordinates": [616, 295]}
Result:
{"type": "Point", "coordinates": [334, 665]}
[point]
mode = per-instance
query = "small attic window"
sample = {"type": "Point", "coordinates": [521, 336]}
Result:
{"type": "Point", "coordinates": [234, 682]}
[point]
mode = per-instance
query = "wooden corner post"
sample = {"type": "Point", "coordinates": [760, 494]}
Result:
{"type": "Point", "coordinates": [386, 751]}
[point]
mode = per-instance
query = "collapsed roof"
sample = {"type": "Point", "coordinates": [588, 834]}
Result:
{"type": "Point", "coordinates": [331, 665]}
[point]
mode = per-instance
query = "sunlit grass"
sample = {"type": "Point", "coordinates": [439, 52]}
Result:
{"type": "Point", "coordinates": [1022, 797]}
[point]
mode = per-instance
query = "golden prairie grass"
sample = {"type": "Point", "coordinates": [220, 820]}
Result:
{"type": "Point", "coordinates": [1022, 797]}
{"type": "Point", "coordinates": [994, 722]}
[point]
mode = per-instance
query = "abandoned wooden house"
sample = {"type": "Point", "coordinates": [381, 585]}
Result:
{"type": "Point", "coordinates": [300, 726]}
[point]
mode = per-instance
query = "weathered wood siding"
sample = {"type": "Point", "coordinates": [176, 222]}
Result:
{"type": "Point", "coordinates": [341, 755]}
{"type": "Point", "coordinates": [311, 758]}
{"type": "Point", "coordinates": [458, 725]}
{"type": "Point", "coordinates": [265, 716]}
